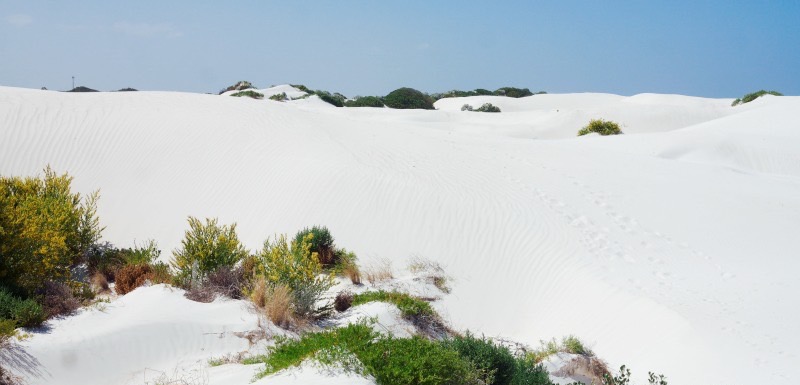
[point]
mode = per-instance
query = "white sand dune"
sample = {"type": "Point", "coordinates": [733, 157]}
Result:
{"type": "Point", "coordinates": [672, 248]}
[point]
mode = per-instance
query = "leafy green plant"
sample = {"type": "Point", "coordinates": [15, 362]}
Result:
{"type": "Point", "coordinates": [467, 107]}
{"type": "Point", "coordinates": [494, 363]}
{"type": "Point", "coordinates": [408, 98]}
{"type": "Point", "coordinates": [753, 96]}
{"type": "Point", "coordinates": [364, 101]}
{"type": "Point", "coordinates": [602, 127]}
{"type": "Point", "coordinates": [249, 94]}
{"type": "Point", "coordinates": [207, 246]}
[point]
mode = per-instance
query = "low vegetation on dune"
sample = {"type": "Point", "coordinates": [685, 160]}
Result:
{"type": "Point", "coordinates": [53, 262]}
{"type": "Point", "coordinates": [390, 360]}
{"type": "Point", "coordinates": [753, 96]}
{"type": "Point", "coordinates": [602, 127]}
{"type": "Point", "coordinates": [511, 92]}
{"type": "Point", "coordinates": [365, 101]}
{"type": "Point", "coordinates": [485, 107]}
{"type": "Point", "coordinates": [249, 94]}
{"type": "Point", "coordinates": [239, 86]}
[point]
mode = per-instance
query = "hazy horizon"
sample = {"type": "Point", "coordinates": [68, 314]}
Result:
{"type": "Point", "coordinates": [711, 49]}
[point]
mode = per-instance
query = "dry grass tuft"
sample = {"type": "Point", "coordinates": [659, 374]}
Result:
{"type": "Point", "coordinates": [352, 272]}
{"type": "Point", "coordinates": [278, 306]}
{"type": "Point", "coordinates": [100, 283]}
{"type": "Point", "coordinates": [431, 271]}
{"type": "Point", "coordinates": [259, 293]}
{"type": "Point", "coordinates": [378, 272]}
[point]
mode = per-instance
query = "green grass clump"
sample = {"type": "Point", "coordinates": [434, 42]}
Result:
{"type": "Point", "coordinates": [286, 353]}
{"type": "Point", "coordinates": [250, 94]}
{"type": "Point", "coordinates": [568, 344]}
{"type": "Point", "coordinates": [389, 360]}
{"type": "Point", "coordinates": [409, 306]}
{"type": "Point", "coordinates": [753, 96]}
{"type": "Point", "coordinates": [602, 127]}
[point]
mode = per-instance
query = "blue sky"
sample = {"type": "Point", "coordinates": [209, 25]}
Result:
{"type": "Point", "coordinates": [702, 48]}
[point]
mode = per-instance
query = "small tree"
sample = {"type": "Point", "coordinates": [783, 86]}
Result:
{"type": "Point", "coordinates": [602, 127]}
{"type": "Point", "coordinates": [210, 245]}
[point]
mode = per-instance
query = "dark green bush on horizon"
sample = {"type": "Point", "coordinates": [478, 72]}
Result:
{"type": "Point", "coordinates": [364, 101]}
{"type": "Point", "coordinates": [408, 98]}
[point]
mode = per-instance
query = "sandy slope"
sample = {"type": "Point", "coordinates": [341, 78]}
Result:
{"type": "Point", "coordinates": [671, 248]}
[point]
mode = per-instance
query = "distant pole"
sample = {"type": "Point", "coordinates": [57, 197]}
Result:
{"type": "Point", "coordinates": [73, 82]}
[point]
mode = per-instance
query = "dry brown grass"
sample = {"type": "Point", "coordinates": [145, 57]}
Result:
{"type": "Point", "coordinates": [352, 272]}
{"type": "Point", "coordinates": [130, 277]}
{"type": "Point", "coordinates": [100, 283]}
{"type": "Point", "coordinates": [278, 306]}
{"type": "Point", "coordinates": [259, 293]}
{"type": "Point", "coordinates": [378, 272]}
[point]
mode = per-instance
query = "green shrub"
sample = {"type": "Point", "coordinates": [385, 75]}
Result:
{"type": "Point", "coordinates": [364, 101]}
{"type": "Point", "coordinates": [753, 96]}
{"type": "Point", "coordinates": [466, 107]}
{"type": "Point", "coordinates": [249, 94]}
{"type": "Point", "coordinates": [208, 246]}
{"type": "Point", "coordinates": [45, 229]}
{"type": "Point", "coordinates": [409, 306]}
{"type": "Point", "coordinates": [28, 313]}
{"type": "Point", "coordinates": [320, 242]}
{"type": "Point", "coordinates": [279, 97]}
{"type": "Point", "coordinates": [512, 92]}
{"type": "Point", "coordinates": [495, 364]}
{"type": "Point", "coordinates": [408, 98]}
{"type": "Point", "coordinates": [488, 107]}
{"type": "Point", "coordinates": [24, 312]}
{"type": "Point", "coordinates": [529, 372]}
{"type": "Point", "coordinates": [335, 99]}
{"type": "Point", "coordinates": [298, 268]}
{"type": "Point", "coordinates": [602, 127]}
{"type": "Point", "coordinates": [416, 361]}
